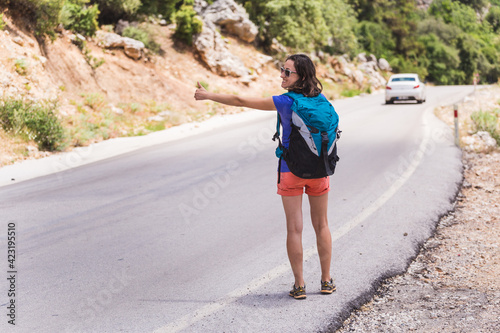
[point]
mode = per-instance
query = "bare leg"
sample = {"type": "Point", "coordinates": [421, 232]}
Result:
{"type": "Point", "coordinates": [294, 225]}
{"type": "Point", "coordinates": [319, 218]}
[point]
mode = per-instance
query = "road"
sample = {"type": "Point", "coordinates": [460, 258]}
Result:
{"type": "Point", "coordinates": [189, 236]}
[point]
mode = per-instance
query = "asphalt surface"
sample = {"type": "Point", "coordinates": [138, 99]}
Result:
{"type": "Point", "coordinates": [189, 235]}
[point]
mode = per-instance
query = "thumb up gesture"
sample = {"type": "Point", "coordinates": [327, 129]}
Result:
{"type": "Point", "coordinates": [200, 93]}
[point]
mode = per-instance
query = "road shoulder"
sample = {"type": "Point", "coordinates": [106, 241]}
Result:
{"type": "Point", "coordinates": [452, 285]}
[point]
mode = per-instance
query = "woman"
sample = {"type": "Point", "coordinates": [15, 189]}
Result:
{"type": "Point", "coordinates": [298, 74]}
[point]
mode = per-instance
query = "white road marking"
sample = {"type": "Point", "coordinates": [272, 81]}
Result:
{"type": "Point", "coordinates": [191, 318]}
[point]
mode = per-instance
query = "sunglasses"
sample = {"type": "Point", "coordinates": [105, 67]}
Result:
{"type": "Point", "coordinates": [287, 72]}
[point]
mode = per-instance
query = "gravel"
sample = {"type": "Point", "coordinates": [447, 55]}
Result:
{"type": "Point", "coordinates": [453, 285]}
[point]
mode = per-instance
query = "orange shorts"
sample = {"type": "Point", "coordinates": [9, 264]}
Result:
{"type": "Point", "coordinates": [291, 185]}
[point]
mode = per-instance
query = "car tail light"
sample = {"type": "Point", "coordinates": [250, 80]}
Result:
{"type": "Point", "coordinates": [417, 86]}
{"type": "Point", "coordinates": [387, 87]}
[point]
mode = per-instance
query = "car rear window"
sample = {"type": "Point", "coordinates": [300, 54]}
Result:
{"type": "Point", "coordinates": [400, 79]}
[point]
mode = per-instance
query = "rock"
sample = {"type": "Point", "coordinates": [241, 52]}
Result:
{"type": "Point", "coordinates": [486, 138]}
{"type": "Point", "coordinates": [479, 142]}
{"type": "Point", "coordinates": [342, 66]}
{"type": "Point", "coordinates": [321, 55]}
{"type": "Point", "coordinates": [132, 48]}
{"type": "Point", "coordinates": [247, 79]}
{"type": "Point", "coordinates": [369, 67]}
{"type": "Point", "coordinates": [358, 77]}
{"type": "Point", "coordinates": [259, 62]}
{"type": "Point", "coordinates": [60, 28]}
{"type": "Point", "coordinates": [229, 64]}
{"type": "Point", "coordinates": [362, 57]}
{"type": "Point", "coordinates": [277, 47]}
{"type": "Point", "coordinates": [209, 43]}
{"type": "Point", "coordinates": [423, 4]}
{"type": "Point", "coordinates": [199, 6]}
{"type": "Point", "coordinates": [370, 70]}
{"type": "Point", "coordinates": [109, 39]}
{"type": "Point", "coordinates": [115, 109]}
{"type": "Point", "coordinates": [245, 30]}
{"type": "Point", "coordinates": [32, 150]}
{"type": "Point", "coordinates": [384, 65]}
{"type": "Point", "coordinates": [371, 57]}
{"type": "Point", "coordinates": [377, 80]}
{"type": "Point", "coordinates": [18, 40]}
{"type": "Point", "coordinates": [232, 17]}
{"type": "Point", "coordinates": [121, 25]}
{"type": "Point", "coordinates": [165, 113]}
{"type": "Point", "coordinates": [337, 64]}
{"type": "Point", "coordinates": [215, 54]}
{"type": "Point", "coordinates": [156, 118]}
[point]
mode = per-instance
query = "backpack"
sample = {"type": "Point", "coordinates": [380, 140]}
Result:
{"type": "Point", "coordinates": [312, 151]}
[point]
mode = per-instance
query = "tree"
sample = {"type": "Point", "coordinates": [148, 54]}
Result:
{"type": "Point", "coordinates": [469, 53]}
{"type": "Point", "coordinates": [187, 22]}
{"type": "Point", "coordinates": [443, 60]}
{"type": "Point", "coordinates": [164, 7]}
{"type": "Point", "coordinates": [448, 33]}
{"type": "Point", "coordinates": [399, 15]}
{"type": "Point", "coordinates": [367, 10]}
{"type": "Point", "coordinates": [341, 23]}
{"type": "Point", "coordinates": [456, 13]}
{"type": "Point", "coordinates": [375, 38]}
{"type": "Point", "coordinates": [113, 10]}
{"type": "Point", "coordinates": [305, 24]}
{"type": "Point", "coordinates": [475, 4]}
{"type": "Point", "coordinates": [493, 18]}
{"type": "Point", "coordinates": [79, 17]}
{"type": "Point", "coordinates": [298, 24]}
{"type": "Point", "coordinates": [42, 15]}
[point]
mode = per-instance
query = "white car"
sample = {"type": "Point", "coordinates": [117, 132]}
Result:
{"type": "Point", "coordinates": [404, 87]}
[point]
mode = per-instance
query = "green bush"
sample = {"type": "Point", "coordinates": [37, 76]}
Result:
{"type": "Point", "coordinates": [455, 13]}
{"type": "Point", "coordinates": [493, 18]}
{"type": "Point", "coordinates": [142, 35]}
{"type": "Point", "coordinates": [410, 64]}
{"type": "Point", "coordinates": [2, 22]}
{"type": "Point", "coordinates": [79, 17]}
{"type": "Point", "coordinates": [113, 10]}
{"type": "Point", "coordinates": [188, 23]}
{"type": "Point", "coordinates": [306, 27]}
{"type": "Point", "coordinates": [341, 22]}
{"type": "Point", "coordinates": [350, 92]}
{"type": "Point", "coordinates": [47, 16]}
{"type": "Point", "coordinates": [375, 38]}
{"type": "Point", "coordinates": [448, 33]}
{"type": "Point", "coordinates": [166, 8]}
{"type": "Point", "coordinates": [475, 4]}
{"type": "Point", "coordinates": [42, 15]}
{"type": "Point", "coordinates": [95, 101]}
{"type": "Point", "coordinates": [488, 122]}
{"type": "Point", "coordinates": [21, 66]}
{"type": "Point", "coordinates": [33, 121]}
{"type": "Point", "coordinates": [443, 60]}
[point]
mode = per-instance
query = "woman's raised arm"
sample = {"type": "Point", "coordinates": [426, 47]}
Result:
{"type": "Point", "coordinates": [265, 103]}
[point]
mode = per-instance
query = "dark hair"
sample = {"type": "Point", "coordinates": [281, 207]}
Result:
{"type": "Point", "coordinates": [307, 84]}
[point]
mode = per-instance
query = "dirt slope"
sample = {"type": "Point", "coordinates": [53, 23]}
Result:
{"type": "Point", "coordinates": [61, 70]}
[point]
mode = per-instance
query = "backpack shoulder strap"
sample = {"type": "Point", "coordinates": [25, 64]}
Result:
{"type": "Point", "coordinates": [293, 95]}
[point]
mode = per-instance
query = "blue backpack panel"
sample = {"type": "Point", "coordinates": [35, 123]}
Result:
{"type": "Point", "coordinates": [312, 151]}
